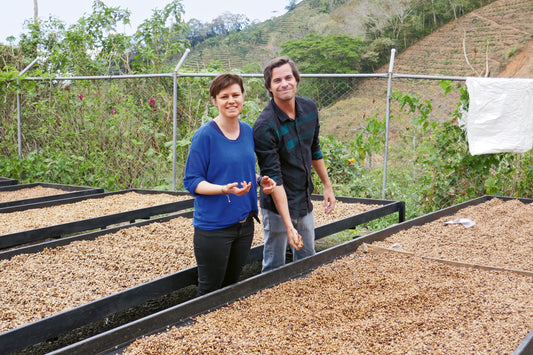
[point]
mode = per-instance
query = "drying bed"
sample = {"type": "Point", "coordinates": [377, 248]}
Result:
{"type": "Point", "coordinates": [502, 236]}
{"type": "Point", "coordinates": [103, 269]}
{"type": "Point", "coordinates": [39, 221]}
{"type": "Point", "coordinates": [24, 194]}
{"type": "Point", "coordinates": [370, 302]}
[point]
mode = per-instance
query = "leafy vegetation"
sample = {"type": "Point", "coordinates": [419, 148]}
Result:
{"type": "Point", "coordinates": [91, 132]}
{"type": "Point", "coordinates": [325, 54]}
{"type": "Point", "coordinates": [444, 172]}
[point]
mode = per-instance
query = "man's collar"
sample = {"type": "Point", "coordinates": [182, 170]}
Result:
{"type": "Point", "coordinates": [283, 117]}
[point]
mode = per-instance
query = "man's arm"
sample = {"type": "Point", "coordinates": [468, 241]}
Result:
{"type": "Point", "coordinates": [329, 196]}
{"type": "Point", "coordinates": [266, 149]}
{"type": "Point", "coordinates": [282, 205]}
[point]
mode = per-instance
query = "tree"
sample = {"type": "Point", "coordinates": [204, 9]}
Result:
{"type": "Point", "coordinates": [391, 14]}
{"type": "Point", "coordinates": [291, 6]}
{"type": "Point", "coordinates": [326, 5]}
{"type": "Point", "coordinates": [198, 31]}
{"type": "Point", "coordinates": [228, 22]}
{"type": "Point", "coordinates": [376, 54]}
{"type": "Point", "coordinates": [160, 37]}
{"type": "Point", "coordinates": [325, 54]}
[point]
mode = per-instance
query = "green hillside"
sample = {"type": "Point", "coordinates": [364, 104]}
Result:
{"type": "Point", "coordinates": [261, 41]}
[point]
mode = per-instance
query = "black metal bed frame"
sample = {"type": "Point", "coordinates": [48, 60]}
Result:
{"type": "Point", "coordinates": [7, 181]}
{"type": "Point", "coordinates": [115, 340]}
{"type": "Point", "coordinates": [68, 191]}
{"type": "Point", "coordinates": [59, 230]}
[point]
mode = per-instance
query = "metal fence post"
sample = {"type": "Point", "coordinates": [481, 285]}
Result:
{"type": "Point", "coordinates": [385, 157]}
{"type": "Point", "coordinates": [19, 122]}
{"type": "Point", "coordinates": [19, 133]}
{"type": "Point", "coordinates": [175, 116]}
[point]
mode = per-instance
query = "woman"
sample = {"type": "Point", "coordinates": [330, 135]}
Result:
{"type": "Point", "coordinates": [220, 174]}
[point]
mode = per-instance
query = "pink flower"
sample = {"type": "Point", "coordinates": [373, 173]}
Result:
{"type": "Point", "coordinates": [80, 96]}
{"type": "Point", "coordinates": [113, 111]}
{"type": "Point", "coordinates": [152, 103]}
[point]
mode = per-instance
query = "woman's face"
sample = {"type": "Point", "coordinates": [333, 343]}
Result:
{"type": "Point", "coordinates": [229, 101]}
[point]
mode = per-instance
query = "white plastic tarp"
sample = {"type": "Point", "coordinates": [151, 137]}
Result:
{"type": "Point", "coordinates": [500, 115]}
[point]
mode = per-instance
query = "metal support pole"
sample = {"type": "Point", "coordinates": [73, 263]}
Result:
{"type": "Point", "coordinates": [19, 129]}
{"type": "Point", "coordinates": [175, 116]}
{"type": "Point", "coordinates": [385, 157]}
{"type": "Point", "coordinates": [19, 122]}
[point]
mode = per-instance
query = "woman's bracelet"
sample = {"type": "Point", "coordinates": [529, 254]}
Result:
{"type": "Point", "coordinates": [259, 180]}
{"type": "Point", "coordinates": [224, 193]}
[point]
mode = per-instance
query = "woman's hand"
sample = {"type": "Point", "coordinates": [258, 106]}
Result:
{"type": "Point", "coordinates": [267, 184]}
{"type": "Point", "coordinates": [233, 188]}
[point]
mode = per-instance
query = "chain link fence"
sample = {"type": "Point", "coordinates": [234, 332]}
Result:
{"type": "Point", "coordinates": [126, 132]}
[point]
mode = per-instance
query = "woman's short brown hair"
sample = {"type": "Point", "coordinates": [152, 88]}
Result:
{"type": "Point", "coordinates": [222, 81]}
{"type": "Point", "coordinates": [276, 63]}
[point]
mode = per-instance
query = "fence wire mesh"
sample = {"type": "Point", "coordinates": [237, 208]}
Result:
{"type": "Point", "coordinates": [119, 133]}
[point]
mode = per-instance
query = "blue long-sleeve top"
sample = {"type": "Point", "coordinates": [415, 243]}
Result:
{"type": "Point", "coordinates": [219, 160]}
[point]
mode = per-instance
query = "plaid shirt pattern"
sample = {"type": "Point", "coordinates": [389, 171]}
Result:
{"type": "Point", "coordinates": [285, 149]}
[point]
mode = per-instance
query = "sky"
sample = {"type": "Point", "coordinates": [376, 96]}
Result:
{"type": "Point", "coordinates": [15, 12]}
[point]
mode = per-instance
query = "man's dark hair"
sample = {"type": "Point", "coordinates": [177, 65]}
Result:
{"type": "Point", "coordinates": [222, 81]}
{"type": "Point", "coordinates": [276, 63]}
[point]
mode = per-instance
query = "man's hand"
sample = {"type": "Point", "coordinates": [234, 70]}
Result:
{"type": "Point", "coordinates": [329, 200]}
{"type": "Point", "coordinates": [295, 239]}
{"type": "Point", "coordinates": [267, 184]}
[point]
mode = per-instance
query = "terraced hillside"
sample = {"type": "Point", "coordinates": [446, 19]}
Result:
{"type": "Point", "coordinates": [497, 40]}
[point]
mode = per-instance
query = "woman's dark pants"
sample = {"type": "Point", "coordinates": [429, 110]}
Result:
{"type": "Point", "coordinates": [221, 254]}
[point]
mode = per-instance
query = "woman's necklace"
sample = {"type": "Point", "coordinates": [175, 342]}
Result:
{"type": "Point", "coordinates": [231, 130]}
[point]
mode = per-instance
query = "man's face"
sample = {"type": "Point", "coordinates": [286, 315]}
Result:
{"type": "Point", "coordinates": [283, 84]}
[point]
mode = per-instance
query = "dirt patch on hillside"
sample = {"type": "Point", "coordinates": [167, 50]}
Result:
{"type": "Point", "coordinates": [522, 64]}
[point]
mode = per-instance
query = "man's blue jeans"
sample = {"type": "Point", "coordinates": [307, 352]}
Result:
{"type": "Point", "coordinates": [276, 241]}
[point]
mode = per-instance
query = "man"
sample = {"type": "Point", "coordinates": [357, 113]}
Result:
{"type": "Point", "coordinates": [287, 147]}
